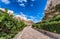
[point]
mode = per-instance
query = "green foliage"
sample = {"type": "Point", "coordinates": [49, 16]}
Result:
{"type": "Point", "coordinates": [52, 25]}
{"type": "Point", "coordinates": [57, 18]}
{"type": "Point", "coordinates": [9, 26]}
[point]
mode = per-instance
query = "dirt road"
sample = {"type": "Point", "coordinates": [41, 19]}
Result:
{"type": "Point", "coordinates": [30, 33]}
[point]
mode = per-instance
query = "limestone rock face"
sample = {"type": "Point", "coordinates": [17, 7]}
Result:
{"type": "Point", "coordinates": [21, 18]}
{"type": "Point", "coordinates": [50, 10]}
{"type": "Point", "coordinates": [10, 12]}
{"type": "Point", "coordinates": [51, 3]}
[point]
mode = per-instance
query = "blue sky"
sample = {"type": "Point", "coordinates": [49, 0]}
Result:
{"type": "Point", "coordinates": [31, 9]}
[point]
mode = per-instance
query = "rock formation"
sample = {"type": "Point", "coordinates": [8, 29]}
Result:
{"type": "Point", "coordinates": [10, 12]}
{"type": "Point", "coordinates": [51, 3]}
{"type": "Point", "coordinates": [50, 11]}
{"type": "Point", "coordinates": [21, 18]}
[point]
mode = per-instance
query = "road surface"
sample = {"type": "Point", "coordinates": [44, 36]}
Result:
{"type": "Point", "coordinates": [30, 33]}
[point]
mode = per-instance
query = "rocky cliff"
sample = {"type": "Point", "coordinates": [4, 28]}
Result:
{"type": "Point", "coordinates": [50, 9]}
{"type": "Point", "coordinates": [51, 3]}
{"type": "Point", "coordinates": [20, 18]}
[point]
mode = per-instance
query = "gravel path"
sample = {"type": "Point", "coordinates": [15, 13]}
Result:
{"type": "Point", "coordinates": [30, 33]}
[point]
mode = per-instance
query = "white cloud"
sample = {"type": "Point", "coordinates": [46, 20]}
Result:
{"type": "Point", "coordinates": [21, 13]}
{"type": "Point", "coordinates": [22, 5]}
{"type": "Point", "coordinates": [31, 18]}
{"type": "Point", "coordinates": [22, 1]}
{"type": "Point", "coordinates": [35, 19]}
{"type": "Point", "coordinates": [5, 1]}
{"type": "Point", "coordinates": [22, 16]}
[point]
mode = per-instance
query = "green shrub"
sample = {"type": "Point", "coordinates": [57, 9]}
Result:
{"type": "Point", "coordinates": [9, 26]}
{"type": "Point", "coordinates": [52, 25]}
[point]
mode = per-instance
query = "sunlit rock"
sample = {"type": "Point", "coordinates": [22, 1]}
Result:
{"type": "Point", "coordinates": [50, 10]}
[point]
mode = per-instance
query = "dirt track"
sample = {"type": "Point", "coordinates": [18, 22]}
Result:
{"type": "Point", "coordinates": [30, 33]}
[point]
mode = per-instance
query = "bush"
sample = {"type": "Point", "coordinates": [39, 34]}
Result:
{"type": "Point", "coordinates": [52, 25]}
{"type": "Point", "coordinates": [9, 26]}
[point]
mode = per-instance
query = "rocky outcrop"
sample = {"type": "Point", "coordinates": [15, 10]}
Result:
{"type": "Point", "coordinates": [20, 18]}
{"type": "Point", "coordinates": [10, 12]}
{"type": "Point", "coordinates": [50, 11]}
{"type": "Point", "coordinates": [51, 3]}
